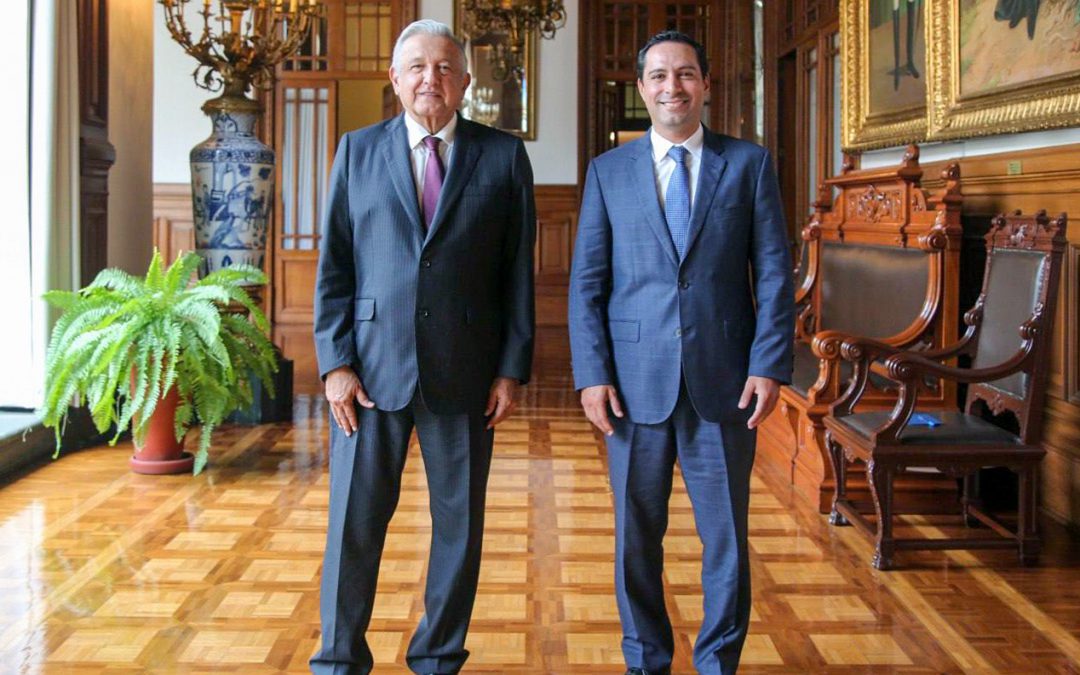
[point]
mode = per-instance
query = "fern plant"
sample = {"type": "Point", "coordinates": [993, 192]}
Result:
{"type": "Point", "coordinates": [122, 342]}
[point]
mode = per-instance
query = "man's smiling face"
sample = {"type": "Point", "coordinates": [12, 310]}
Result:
{"type": "Point", "coordinates": [430, 79]}
{"type": "Point", "coordinates": [673, 89]}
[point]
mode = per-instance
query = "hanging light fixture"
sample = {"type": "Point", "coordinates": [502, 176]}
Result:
{"type": "Point", "coordinates": [241, 41]}
{"type": "Point", "coordinates": [515, 19]}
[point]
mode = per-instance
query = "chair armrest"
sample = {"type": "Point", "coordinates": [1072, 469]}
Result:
{"type": "Point", "coordinates": [856, 348]}
{"type": "Point", "coordinates": [863, 351]}
{"type": "Point", "coordinates": [863, 348]}
{"type": "Point", "coordinates": [826, 343]}
{"type": "Point", "coordinates": [973, 319]}
{"type": "Point", "coordinates": [911, 366]}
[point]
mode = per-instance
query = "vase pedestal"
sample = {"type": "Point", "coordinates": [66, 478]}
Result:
{"type": "Point", "coordinates": [266, 408]}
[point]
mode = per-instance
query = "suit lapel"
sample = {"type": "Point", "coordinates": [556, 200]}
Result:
{"type": "Point", "coordinates": [712, 168]}
{"type": "Point", "coordinates": [644, 181]}
{"type": "Point", "coordinates": [462, 161]}
{"type": "Point", "coordinates": [395, 148]}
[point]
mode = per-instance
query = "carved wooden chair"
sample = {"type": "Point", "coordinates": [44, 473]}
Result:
{"type": "Point", "coordinates": [1008, 335]}
{"type": "Point", "coordinates": [881, 259]}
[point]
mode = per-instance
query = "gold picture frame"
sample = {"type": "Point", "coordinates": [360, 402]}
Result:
{"type": "Point", "coordinates": [994, 104]}
{"type": "Point", "coordinates": [508, 105]}
{"type": "Point", "coordinates": [870, 119]}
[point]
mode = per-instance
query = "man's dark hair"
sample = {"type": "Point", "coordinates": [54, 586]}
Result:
{"type": "Point", "coordinates": [673, 36]}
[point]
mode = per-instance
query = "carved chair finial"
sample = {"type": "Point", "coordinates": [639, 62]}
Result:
{"type": "Point", "coordinates": [1038, 231]}
{"type": "Point", "coordinates": [911, 155]}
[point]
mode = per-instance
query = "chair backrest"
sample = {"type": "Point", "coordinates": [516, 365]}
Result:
{"type": "Point", "coordinates": [1016, 313]}
{"type": "Point", "coordinates": [882, 249]}
{"type": "Point", "coordinates": [872, 290]}
{"type": "Point", "coordinates": [882, 262]}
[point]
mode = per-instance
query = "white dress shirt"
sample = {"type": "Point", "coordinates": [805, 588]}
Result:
{"type": "Point", "coordinates": [664, 166]}
{"type": "Point", "coordinates": [419, 152]}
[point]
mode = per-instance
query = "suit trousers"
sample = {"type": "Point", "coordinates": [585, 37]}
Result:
{"type": "Point", "coordinates": [365, 482]}
{"type": "Point", "coordinates": [715, 461]}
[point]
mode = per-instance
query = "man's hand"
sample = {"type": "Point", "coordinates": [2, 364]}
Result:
{"type": "Point", "coordinates": [767, 391]}
{"type": "Point", "coordinates": [595, 401]}
{"type": "Point", "coordinates": [501, 400]}
{"type": "Point", "coordinates": [342, 389]}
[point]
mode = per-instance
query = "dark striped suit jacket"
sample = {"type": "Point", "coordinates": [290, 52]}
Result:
{"type": "Point", "coordinates": [448, 309]}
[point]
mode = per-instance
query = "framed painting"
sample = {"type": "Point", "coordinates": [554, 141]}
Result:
{"type": "Point", "coordinates": [883, 53]}
{"type": "Point", "coordinates": [500, 97]}
{"type": "Point", "coordinates": [1003, 66]}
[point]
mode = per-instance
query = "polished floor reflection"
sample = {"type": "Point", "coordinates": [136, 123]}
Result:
{"type": "Point", "coordinates": [104, 571]}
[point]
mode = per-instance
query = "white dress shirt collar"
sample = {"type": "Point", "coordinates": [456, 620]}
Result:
{"type": "Point", "coordinates": [661, 145]}
{"type": "Point", "coordinates": [664, 166]}
{"type": "Point", "coordinates": [417, 132]}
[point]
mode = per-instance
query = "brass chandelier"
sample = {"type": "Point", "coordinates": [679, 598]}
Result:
{"type": "Point", "coordinates": [240, 43]}
{"type": "Point", "coordinates": [516, 19]}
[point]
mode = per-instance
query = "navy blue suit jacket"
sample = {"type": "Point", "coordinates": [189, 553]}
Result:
{"type": "Point", "coordinates": [448, 309]}
{"type": "Point", "coordinates": [641, 318]}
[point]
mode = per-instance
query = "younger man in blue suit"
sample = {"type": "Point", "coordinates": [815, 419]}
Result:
{"type": "Point", "coordinates": [681, 315]}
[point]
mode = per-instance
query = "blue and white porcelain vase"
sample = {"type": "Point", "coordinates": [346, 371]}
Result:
{"type": "Point", "coordinates": [232, 185]}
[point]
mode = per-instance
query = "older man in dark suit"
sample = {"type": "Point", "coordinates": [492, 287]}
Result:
{"type": "Point", "coordinates": [681, 314]}
{"type": "Point", "coordinates": [423, 319]}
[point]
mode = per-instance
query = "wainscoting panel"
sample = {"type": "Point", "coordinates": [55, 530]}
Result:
{"type": "Point", "coordinates": [293, 274]}
{"type": "Point", "coordinates": [174, 225]}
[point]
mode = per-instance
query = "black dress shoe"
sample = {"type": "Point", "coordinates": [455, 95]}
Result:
{"type": "Point", "coordinates": [644, 671]}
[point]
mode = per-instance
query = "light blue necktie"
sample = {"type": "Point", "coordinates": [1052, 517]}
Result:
{"type": "Point", "coordinates": [677, 199]}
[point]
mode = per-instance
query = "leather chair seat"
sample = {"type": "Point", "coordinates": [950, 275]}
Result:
{"type": "Point", "coordinates": [955, 428]}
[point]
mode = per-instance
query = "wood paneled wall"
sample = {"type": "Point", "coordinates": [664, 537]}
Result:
{"type": "Point", "coordinates": [557, 211]}
{"type": "Point", "coordinates": [556, 229]}
{"type": "Point", "coordinates": [96, 154]}
{"type": "Point", "coordinates": [174, 226]}
{"type": "Point", "coordinates": [1030, 180]}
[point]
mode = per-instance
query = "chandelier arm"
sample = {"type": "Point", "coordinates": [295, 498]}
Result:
{"type": "Point", "coordinates": [174, 21]}
{"type": "Point", "coordinates": [274, 34]}
{"type": "Point", "coordinates": [263, 41]}
{"type": "Point", "coordinates": [293, 39]}
{"type": "Point", "coordinates": [207, 34]}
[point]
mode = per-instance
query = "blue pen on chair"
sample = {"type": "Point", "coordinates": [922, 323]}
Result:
{"type": "Point", "coordinates": [924, 420]}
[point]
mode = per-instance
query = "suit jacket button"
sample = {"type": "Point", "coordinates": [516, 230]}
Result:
{"type": "Point", "coordinates": [424, 314]}
{"type": "Point", "coordinates": [678, 332]}
{"type": "Point", "coordinates": [683, 284]}
{"type": "Point", "coordinates": [425, 263]}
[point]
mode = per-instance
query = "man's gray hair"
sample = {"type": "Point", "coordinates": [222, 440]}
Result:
{"type": "Point", "coordinates": [427, 27]}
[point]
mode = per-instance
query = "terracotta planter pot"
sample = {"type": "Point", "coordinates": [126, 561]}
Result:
{"type": "Point", "coordinates": [161, 453]}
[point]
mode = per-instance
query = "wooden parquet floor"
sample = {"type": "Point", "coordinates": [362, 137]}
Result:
{"type": "Point", "coordinates": [105, 571]}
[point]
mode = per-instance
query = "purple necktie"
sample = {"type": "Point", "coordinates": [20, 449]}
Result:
{"type": "Point", "coordinates": [433, 177]}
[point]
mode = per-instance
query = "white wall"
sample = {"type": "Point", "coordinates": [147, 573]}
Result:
{"type": "Point", "coordinates": [973, 147]}
{"type": "Point", "coordinates": [554, 152]}
{"type": "Point", "coordinates": [179, 124]}
{"type": "Point", "coordinates": [131, 43]}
